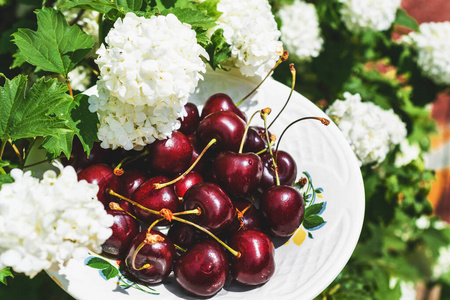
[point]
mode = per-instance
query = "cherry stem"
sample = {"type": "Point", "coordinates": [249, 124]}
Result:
{"type": "Point", "coordinates": [161, 185]}
{"type": "Point", "coordinates": [282, 58]}
{"type": "Point", "coordinates": [116, 206]}
{"type": "Point", "coordinates": [111, 192]}
{"type": "Point", "coordinates": [196, 211]}
{"type": "Point", "coordinates": [244, 137]}
{"type": "Point", "coordinates": [234, 252]}
{"type": "Point", "coordinates": [153, 224]}
{"type": "Point", "coordinates": [274, 163]}
{"type": "Point", "coordinates": [322, 120]}
{"type": "Point", "coordinates": [293, 72]}
{"type": "Point", "coordinates": [133, 259]}
{"type": "Point", "coordinates": [179, 248]}
{"type": "Point", "coordinates": [129, 159]}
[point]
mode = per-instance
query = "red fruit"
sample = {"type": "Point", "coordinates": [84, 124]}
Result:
{"type": "Point", "coordinates": [189, 180]}
{"type": "Point", "coordinates": [283, 209]}
{"type": "Point", "coordinates": [125, 229]}
{"type": "Point", "coordinates": [221, 102]}
{"type": "Point", "coordinates": [190, 121]}
{"type": "Point", "coordinates": [256, 263]}
{"type": "Point", "coordinates": [170, 156]}
{"type": "Point", "coordinates": [237, 173]}
{"type": "Point", "coordinates": [203, 269]}
{"type": "Point", "coordinates": [217, 210]}
{"type": "Point", "coordinates": [287, 170]}
{"type": "Point", "coordinates": [153, 262]}
{"type": "Point", "coordinates": [155, 199]}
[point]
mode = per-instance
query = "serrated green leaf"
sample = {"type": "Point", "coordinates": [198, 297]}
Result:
{"type": "Point", "coordinates": [133, 5]}
{"type": "Point", "coordinates": [110, 272]}
{"type": "Point", "coordinates": [5, 273]}
{"type": "Point", "coordinates": [83, 124]}
{"type": "Point", "coordinates": [314, 209]}
{"type": "Point", "coordinates": [55, 46]}
{"type": "Point", "coordinates": [403, 19]}
{"type": "Point", "coordinates": [312, 221]}
{"type": "Point", "coordinates": [36, 113]}
{"type": "Point", "coordinates": [98, 263]}
{"type": "Point", "coordinates": [102, 6]}
{"type": "Point", "coordinates": [210, 6]}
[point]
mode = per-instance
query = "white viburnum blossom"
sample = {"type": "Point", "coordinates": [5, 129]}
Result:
{"type": "Point", "coordinates": [45, 223]}
{"type": "Point", "coordinates": [250, 28]}
{"type": "Point", "coordinates": [147, 71]}
{"type": "Point", "coordinates": [359, 15]}
{"type": "Point", "coordinates": [432, 44]}
{"type": "Point", "coordinates": [442, 265]}
{"type": "Point", "coordinates": [300, 32]}
{"type": "Point", "coordinates": [408, 152]}
{"type": "Point", "coordinates": [371, 131]}
{"type": "Point", "coordinates": [80, 78]}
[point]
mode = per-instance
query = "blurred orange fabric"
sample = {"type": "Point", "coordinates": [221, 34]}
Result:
{"type": "Point", "coordinates": [439, 156]}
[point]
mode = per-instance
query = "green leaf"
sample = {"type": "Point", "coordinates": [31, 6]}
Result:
{"type": "Point", "coordinates": [110, 272]}
{"type": "Point", "coordinates": [133, 5]}
{"type": "Point", "coordinates": [312, 221]}
{"type": "Point", "coordinates": [35, 113]}
{"type": "Point", "coordinates": [403, 19]}
{"type": "Point", "coordinates": [86, 130]}
{"type": "Point", "coordinates": [219, 50]}
{"type": "Point", "coordinates": [210, 6]}
{"type": "Point", "coordinates": [5, 273]}
{"type": "Point", "coordinates": [102, 6]}
{"type": "Point", "coordinates": [98, 263]}
{"type": "Point", "coordinates": [55, 46]}
{"type": "Point", "coordinates": [5, 178]}
{"type": "Point", "coordinates": [314, 209]}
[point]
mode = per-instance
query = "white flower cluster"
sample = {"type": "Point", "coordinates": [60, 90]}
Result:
{"type": "Point", "coordinates": [45, 223]}
{"type": "Point", "coordinates": [300, 31]}
{"type": "Point", "coordinates": [147, 71]}
{"type": "Point", "coordinates": [359, 15]}
{"type": "Point", "coordinates": [371, 131]}
{"type": "Point", "coordinates": [250, 28]}
{"type": "Point", "coordinates": [432, 44]}
{"type": "Point", "coordinates": [408, 152]}
{"type": "Point", "coordinates": [442, 265]}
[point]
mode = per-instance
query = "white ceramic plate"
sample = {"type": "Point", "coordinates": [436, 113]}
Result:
{"type": "Point", "coordinates": [304, 266]}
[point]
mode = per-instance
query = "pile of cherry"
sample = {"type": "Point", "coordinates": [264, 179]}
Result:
{"type": "Point", "coordinates": [214, 183]}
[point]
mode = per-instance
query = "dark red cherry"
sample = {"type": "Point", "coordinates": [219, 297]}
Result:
{"type": "Point", "coordinates": [183, 235]}
{"type": "Point", "coordinates": [156, 199]}
{"type": "Point", "coordinates": [221, 102]}
{"type": "Point", "coordinates": [79, 158]}
{"type": "Point", "coordinates": [196, 150]}
{"type": "Point", "coordinates": [150, 257]}
{"type": "Point", "coordinates": [190, 121]}
{"type": "Point", "coordinates": [256, 264]}
{"type": "Point", "coordinates": [237, 173]}
{"type": "Point", "coordinates": [256, 140]}
{"type": "Point", "coordinates": [203, 269]}
{"type": "Point", "coordinates": [189, 180]}
{"type": "Point", "coordinates": [170, 156]}
{"type": "Point", "coordinates": [102, 175]}
{"type": "Point", "coordinates": [125, 229]}
{"type": "Point", "coordinates": [131, 180]}
{"type": "Point", "coordinates": [287, 169]}
{"type": "Point", "coordinates": [226, 127]}
{"type": "Point", "coordinates": [283, 209]}
{"type": "Point", "coordinates": [247, 216]}
{"type": "Point", "coordinates": [217, 210]}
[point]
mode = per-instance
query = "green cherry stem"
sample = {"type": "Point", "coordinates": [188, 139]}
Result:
{"type": "Point", "coordinates": [234, 252]}
{"type": "Point", "coordinates": [129, 159]}
{"type": "Point", "coordinates": [293, 72]}
{"type": "Point", "coordinates": [244, 137]}
{"type": "Point", "coordinates": [275, 166]}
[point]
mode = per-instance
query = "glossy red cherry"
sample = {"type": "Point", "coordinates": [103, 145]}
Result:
{"type": "Point", "coordinates": [131, 180]}
{"type": "Point", "coordinates": [217, 210]}
{"type": "Point", "coordinates": [102, 175]}
{"type": "Point", "coordinates": [283, 209]}
{"type": "Point", "coordinates": [125, 229]}
{"type": "Point", "coordinates": [247, 217]}
{"type": "Point", "coordinates": [183, 235]}
{"type": "Point", "coordinates": [237, 173]}
{"type": "Point", "coordinates": [225, 126]}
{"type": "Point", "coordinates": [221, 102]}
{"type": "Point", "coordinates": [156, 199]}
{"type": "Point", "coordinates": [256, 264]}
{"type": "Point", "coordinates": [203, 269]}
{"type": "Point", "coordinates": [170, 156]}
{"type": "Point", "coordinates": [190, 121]}
{"type": "Point", "coordinates": [287, 169]}
{"type": "Point", "coordinates": [256, 140]}
{"type": "Point", "coordinates": [192, 178]}
{"type": "Point", "coordinates": [150, 257]}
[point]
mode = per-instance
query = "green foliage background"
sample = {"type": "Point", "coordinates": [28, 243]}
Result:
{"type": "Point", "coordinates": [391, 244]}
